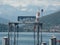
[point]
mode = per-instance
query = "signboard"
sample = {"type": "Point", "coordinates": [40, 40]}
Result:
{"type": "Point", "coordinates": [26, 18]}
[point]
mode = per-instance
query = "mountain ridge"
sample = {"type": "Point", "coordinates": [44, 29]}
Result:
{"type": "Point", "coordinates": [3, 21]}
{"type": "Point", "coordinates": [51, 20]}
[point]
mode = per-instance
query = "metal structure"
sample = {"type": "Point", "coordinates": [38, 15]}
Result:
{"type": "Point", "coordinates": [16, 23]}
{"type": "Point", "coordinates": [15, 30]}
{"type": "Point", "coordinates": [36, 22]}
{"type": "Point", "coordinates": [27, 20]}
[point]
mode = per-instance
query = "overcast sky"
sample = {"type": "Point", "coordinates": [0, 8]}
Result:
{"type": "Point", "coordinates": [24, 5]}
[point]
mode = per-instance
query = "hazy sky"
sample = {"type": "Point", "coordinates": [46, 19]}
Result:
{"type": "Point", "coordinates": [29, 5]}
{"type": "Point", "coordinates": [25, 3]}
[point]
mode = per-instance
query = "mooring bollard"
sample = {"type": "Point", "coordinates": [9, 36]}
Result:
{"type": "Point", "coordinates": [52, 41]}
{"type": "Point", "coordinates": [5, 41]}
{"type": "Point", "coordinates": [43, 43]}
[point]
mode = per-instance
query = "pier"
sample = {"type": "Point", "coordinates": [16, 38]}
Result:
{"type": "Point", "coordinates": [32, 22]}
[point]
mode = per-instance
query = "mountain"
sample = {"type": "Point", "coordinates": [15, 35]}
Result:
{"type": "Point", "coordinates": [3, 21]}
{"type": "Point", "coordinates": [3, 27]}
{"type": "Point", "coordinates": [9, 12]}
{"type": "Point", "coordinates": [3, 24]}
{"type": "Point", "coordinates": [48, 21]}
{"type": "Point", "coordinates": [51, 20]}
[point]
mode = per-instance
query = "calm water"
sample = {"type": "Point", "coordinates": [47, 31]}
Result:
{"type": "Point", "coordinates": [26, 38]}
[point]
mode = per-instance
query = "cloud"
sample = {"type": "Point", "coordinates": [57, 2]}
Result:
{"type": "Point", "coordinates": [31, 6]}
{"type": "Point", "coordinates": [15, 3]}
{"type": "Point", "coordinates": [23, 9]}
{"type": "Point", "coordinates": [29, 2]}
{"type": "Point", "coordinates": [0, 12]}
{"type": "Point", "coordinates": [25, 3]}
{"type": "Point", "coordinates": [56, 4]}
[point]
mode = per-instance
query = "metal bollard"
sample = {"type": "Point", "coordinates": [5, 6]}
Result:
{"type": "Point", "coordinates": [52, 41]}
{"type": "Point", "coordinates": [5, 41]}
{"type": "Point", "coordinates": [43, 43]}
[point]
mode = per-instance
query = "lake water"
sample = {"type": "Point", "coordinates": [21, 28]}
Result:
{"type": "Point", "coordinates": [26, 38]}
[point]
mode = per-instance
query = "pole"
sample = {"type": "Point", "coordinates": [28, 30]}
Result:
{"type": "Point", "coordinates": [14, 34]}
{"type": "Point", "coordinates": [34, 37]}
{"type": "Point", "coordinates": [38, 34]}
{"type": "Point", "coordinates": [8, 34]}
{"type": "Point", "coordinates": [41, 32]}
{"type": "Point", "coordinates": [11, 29]}
{"type": "Point", "coordinates": [34, 34]}
{"type": "Point", "coordinates": [17, 34]}
{"type": "Point", "coordinates": [41, 26]}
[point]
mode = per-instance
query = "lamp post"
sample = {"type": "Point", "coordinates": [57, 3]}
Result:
{"type": "Point", "coordinates": [41, 27]}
